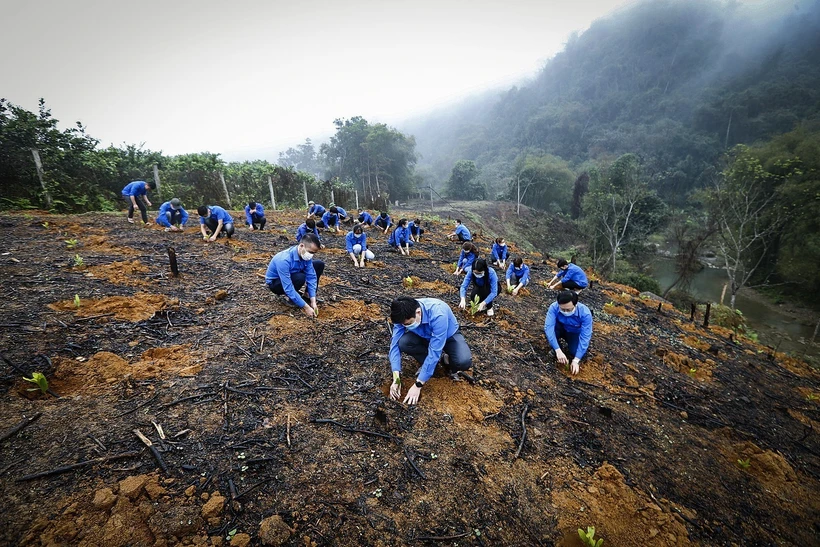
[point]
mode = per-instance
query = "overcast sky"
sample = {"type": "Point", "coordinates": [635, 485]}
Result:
{"type": "Point", "coordinates": [245, 77]}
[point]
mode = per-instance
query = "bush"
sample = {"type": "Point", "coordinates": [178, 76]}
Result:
{"type": "Point", "coordinates": [639, 281]}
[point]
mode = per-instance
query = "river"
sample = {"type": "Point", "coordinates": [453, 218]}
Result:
{"type": "Point", "coordinates": [775, 327]}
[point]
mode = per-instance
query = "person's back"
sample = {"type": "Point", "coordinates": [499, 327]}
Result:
{"type": "Point", "coordinates": [576, 274]}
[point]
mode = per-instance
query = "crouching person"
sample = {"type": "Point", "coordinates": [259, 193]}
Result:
{"type": "Point", "coordinates": [400, 238]}
{"type": "Point", "coordinates": [217, 221]}
{"type": "Point", "coordinates": [485, 286]}
{"type": "Point", "coordinates": [356, 245]}
{"type": "Point", "coordinates": [172, 216]}
{"type": "Point", "coordinates": [294, 268]}
{"type": "Point", "coordinates": [518, 276]}
{"type": "Point", "coordinates": [572, 322]}
{"type": "Point", "coordinates": [255, 216]}
{"type": "Point", "coordinates": [427, 330]}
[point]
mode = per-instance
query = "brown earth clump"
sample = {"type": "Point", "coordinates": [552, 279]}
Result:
{"type": "Point", "coordinates": [135, 308]}
{"type": "Point", "coordinates": [122, 273]}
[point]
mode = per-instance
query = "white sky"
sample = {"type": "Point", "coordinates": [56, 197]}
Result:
{"type": "Point", "coordinates": [245, 78]}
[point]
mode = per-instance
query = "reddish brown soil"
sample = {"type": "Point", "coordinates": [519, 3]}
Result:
{"type": "Point", "coordinates": [644, 444]}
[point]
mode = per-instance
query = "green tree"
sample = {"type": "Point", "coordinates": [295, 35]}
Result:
{"type": "Point", "coordinates": [462, 183]}
{"type": "Point", "coordinates": [541, 181]}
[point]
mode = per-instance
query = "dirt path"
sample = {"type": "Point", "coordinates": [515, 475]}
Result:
{"type": "Point", "coordinates": [278, 432]}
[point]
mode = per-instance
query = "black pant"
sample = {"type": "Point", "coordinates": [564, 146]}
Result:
{"type": "Point", "coordinates": [258, 219]}
{"type": "Point", "coordinates": [227, 229]}
{"type": "Point", "coordinates": [462, 238]}
{"type": "Point", "coordinates": [418, 232]}
{"type": "Point", "coordinates": [482, 291]}
{"type": "Point", "coordinates": [461, 358]}
{"type": "Point", "coordinates": [174, 217]}
{"type": "Point", "coordinates": [298, 279]}
{"type": "Point", "coordinates": [381, 223]}
{"type": "Point", "coordinates": [571, 285]}
{"type": "Point", "coordinates": [321, 224]}
{"type": "Point", "coordinates": [140, 204]}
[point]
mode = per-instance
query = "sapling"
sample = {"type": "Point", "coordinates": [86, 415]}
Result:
{"type": "Point", "coordinates": [71, 243]}
{"type": "Point", "coordinates": [76, 300]}
{"type": "Point", "coordinates": [40, 379]}
{"type": "Point", "coordinates": [812, 397]}
{"type": "Point", "coordinates": [408, 282]}
{"type": "Point", "coordinates": [510, 289]}
{"type": "Point", "coordinates": [745, 464]}
{"type": "Point", "coordinates": [78, 261]}
{"type": "Point", "coordinates": [474, 305]}
{"type": "Point", "coordinates": [588, 537]}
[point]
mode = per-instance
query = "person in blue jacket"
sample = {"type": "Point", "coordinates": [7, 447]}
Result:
{"type": "Point", "coordinates": [172, 215]}
{"type": "Point", "coordinates": [134, 190]}
{"type": "Point", "coordinates": [383, 221]}
{"type": "Point", "coordinates": [469, 253]}
{"type": "Point", "coordinates": [344, 218]}
{"type": "Point", "coordinates": [415, 230]}
{"type": "Point", "coordinates": [315, 210]}
{"type": "Point", "coordinates": [255, 216]}
{"type": "Point", "coordinates": [572, 322]}
{"type": "Point", "coordinates": [308, 227]}
{"type": "Point", "coordinates": [461, 233]}
{"type": "Point", "coordinates": [518, 276]}
{"type": "Point", "coordinates": [500, 253]}
{"type": "Point", "coordinates": [400, 238]}
{"type": "Point", "coordinates": [356, 245]}
{"type": "Point", "coordinates": [485, 286]}
{"type": "Point", "coordinates": [294, 268]}
{"type": "Point", "coordinates": [427, 330]}
{"type": "Point", "coordinates": [569, 276]}
{"type": "Point", "coordinates": [330, 220]}
{"type": "Point", "coordinates": [365, 218]}
{"type": "Point", "coordinates": [217, 221]}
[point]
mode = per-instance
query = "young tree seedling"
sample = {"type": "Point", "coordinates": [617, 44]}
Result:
{"type": "Point", "coordinates": [78, 261]}
{"type": "Point", "coordinates": [40, 379]}
{"type": "Point", "coordinates": [76, 300]}
{"type": "Point", "coordinates": [588, 537]}
{"type": "Point", "coordinates": [474, 303]}
{"type": "Point", "coordinates": [745, 464]}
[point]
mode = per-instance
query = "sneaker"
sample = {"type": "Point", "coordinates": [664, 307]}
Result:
{"type": "Point", "coordinates": [167, 229]}
{"type": "Point", "coordinates": [454, 376]}
{"type": "Point", "coordinates": [445, 359]}
{"type": "Point", "coordinates": [490, 312]}
{"type": "Point", "coordinates": [131, 220]}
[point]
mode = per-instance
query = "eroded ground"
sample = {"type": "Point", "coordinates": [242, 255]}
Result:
{"type": "Point", "coordinates": [278, 432]}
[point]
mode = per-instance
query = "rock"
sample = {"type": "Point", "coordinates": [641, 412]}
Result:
{"type": "Point", "coordinates": [631, 381]}
{"type": "Point", "coordinates": [217, 541]}
{"type": "Point", "coordinates": [221, 294]}
{"type": "Point", "coordinates": [204, 496]}
{"type": "Point", "coordinates": [154, 490]}
{"type": "Point", "coordinates": [177, 521]}
{"type": "Point", "coordinates": [684, 415]}
{"type": "Point", "coordinates": [104, 499]}
{"type": "Point", "coordinates": [646, 295]}
{"type": "Point", "coordinates": [213, 507]}
{"type": "Point", "coordinates": [190, 491]}
{"type": "Point", "coordinates": [653, 532]}
{"type": "Point", "coordinates": [131, 487]}
{"type": "Point", "coordinates": [274, 531]}
{"type": "Point", "coordinates": [673, 539]}
{"type": "Point", "coordinates": [241, 540]}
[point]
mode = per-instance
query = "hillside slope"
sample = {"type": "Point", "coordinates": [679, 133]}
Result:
{"type": "Point", "coordinates": [269, 415]}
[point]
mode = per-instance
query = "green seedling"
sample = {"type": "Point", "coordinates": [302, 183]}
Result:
{"type": "Point", "coordinates": [408, 282]}
{"type": "Point", "coordinates": [40, 379]}
{"type": "Point", "coordinates": [692, 372]}
{"type": "Point", "coordinates": [45, 225]}
{"type": "Point", "coordinates": [474, 305]}
{"type": "Point", "coordinates": [231, 534]}
{"type": "Point", "coordinates": [71, 243]}
{"type": "Point", "coordinates": [76, 300]}
{"type": "Point", "coordinates": [510, 290]}
{"type": "Point", "coordinates": [812, 397]}
{"type": "Point", "coordinates": [588, 537]}
{"type": "Point", "coordinates": [78, 261]}
{"type": "Point", "coordinates": [745, 464]}
{"type": "Point", "coordinates": [236, 248]}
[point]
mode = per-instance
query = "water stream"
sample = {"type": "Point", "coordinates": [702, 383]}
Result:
{"type": "Point", "coordinates": [773, 325]}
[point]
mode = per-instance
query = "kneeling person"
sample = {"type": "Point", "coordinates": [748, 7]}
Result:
{"type": "Point", "coordinates": [294, 268]}
{"type": "Point", "coordinates": [485, 286]}
{"type": "Point", "coordinates": [356, 245]}
{"type": "Point", "coordinates": [217, 220]}
{"type": "Point", "coordinates": [518, 276]}
{"type": "Point", "coordinates": [255, 216]}
{"type": "Point", "coordinates": [172, 215]}
{"type": "Point", "coordinates": [424, 328]}
{"type": "Point", "coordinates": [572, 322]}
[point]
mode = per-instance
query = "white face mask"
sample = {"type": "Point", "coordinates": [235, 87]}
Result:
{"type": "Point", "coordinates": [567, 313]}
{"type": "Point", "coordinates": [478, 275]}
{"type": "Point", "coordinates": [503, 244]}
{"type": "Point", "coordinates": [414, 325]}
{"type": "Point", "coordinates": [306, 255]}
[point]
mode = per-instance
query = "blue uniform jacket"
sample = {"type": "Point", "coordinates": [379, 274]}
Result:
{"type": "Point", "coordinates": [289, 262]}
{"type": "Point", "coordinates": [522, 273]}
{"type": "Point", "coordinates": [316, 209]}
{"type": "Point", "coordinates": [218, 213]}
{"type": "Point", "coordinates": [465, 260]}
{"type": "Point", "coordinates": [500, 252]}
{"type": "Point", "coordinates": [136, 189]}
{"type": "Point", "coordinates": [574, 273]}
{"type": "Point", "coordinates": [260, 212]}
{"type": "Point", "coordinates": [302, 230]}
{"type": "Point", "coordinates": [400, 236]}
{"type": "Point", "coordinates": [352, 239]}
{"type": "Point", "coordinates": [464, 232]}
{"type": "Point", "coordinates": [327, 216]}
{"type": "Point", "coordinates": [385, 219]}
{"type": "Point", "coordinates": [366, 218]}
{"type": "Point", "coordinates": [162, 218]}
{"type": "Point", "coordinates": [580, 322]}
{"type": "Point", "coordinates": [437, 325]}
{"type": "Point", "coordinates": [413, 227]}
{"type": "Point", "coordinates": [490, 277]}
{"type": "Point", "coordinates": [342, 212]}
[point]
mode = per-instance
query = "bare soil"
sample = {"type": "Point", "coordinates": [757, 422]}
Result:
{"type": "Point", "coordinates": [278, 430]}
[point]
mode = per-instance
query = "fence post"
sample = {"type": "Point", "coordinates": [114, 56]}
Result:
{"type": "Point", "coordinates": [357, 200]}
{"type": "Point", "coordinates": [706, 317]}
{"type": "Point", "coordinates": [225, 187]}
{"type": "Point", "coordinates": [304, 190]}
{"type": "Point", "coordinates": [39, 165]}
{"type": "Point", "coordinates": [156, 182]}
{"type": "Point", "coordinates": [272, 197]}
{"type": "Point", "coordinates": [431, 198]}
{"type": "Point", "coordinates": [332, 197]}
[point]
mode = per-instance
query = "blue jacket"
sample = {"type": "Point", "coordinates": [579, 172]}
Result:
{"type": "Point", "coordinates": [136, 188]}
{"type": "Point", "coordinates": [217, 214]}
{"type": "Point", "coordinates": [162, 218]}
{"type": "Point", "coordinates": [465, 233]}
{"type": "Point", "coordinates": [260, 212]}
{"type": "Point", "coordinates": [580, 322]}
{"type": "Point", "coordinates": [413, 227]}
{"type": "Point", "coordinates": [286, 263]}
{"type": "Point", "coordinates": [342, 212]}
{"type": "Point", "coordinates": [500, 252]}
{"type": "Point", "coordinates": [465, 260]}
{"type": "Point", "coordinates": [366, 218]}
{"type": "Point", "coordinates": [523, 273]}
{"type": "Point", "coordinates": [316, 209]}
{"type": "Point", "coordinates": [327, 216]}
{"type": "Point", "coordinates": [400, 236]}
{"type": "Point", "coordinates": [490, 277]}
{"type": "Point", "coordinates": [352, 239]}
{"type": "Point", "coordinates": [437, 325]}
{"type": "Point", "coordinates": [573, 273]}
{"type": "Point", "coordinates": [302, 230]}
{"type": "Point", "coordinates": [385, 219]}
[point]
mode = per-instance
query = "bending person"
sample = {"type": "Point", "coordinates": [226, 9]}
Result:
{"type": "Point", "coordinates": [485, 286]}
{"type": "Point", "coordinates": [518, 276]}
{"type": "Point", "coordinates": [172, 216]}
{"type": "Point", "coordinates": [572, 322]}
{"type": "Point", "coordinates": [255, 216]}
{"type": "Point", "coordinates": [294, 268]}
{"type": "Point", "coordinates": [134, 190]}
{"type": "Point", "coordinates": [569, 276]}
{"type": "Point", "coordinates": [217, 220]}
{"type": "Point", "coordinates": [356, 245]}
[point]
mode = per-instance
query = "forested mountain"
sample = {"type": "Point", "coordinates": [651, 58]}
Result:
{"type": "Point", "coordinates": [676, 83]}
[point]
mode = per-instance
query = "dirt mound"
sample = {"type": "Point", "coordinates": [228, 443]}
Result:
{"type": "Point", "coordinates": [701, 370]}
{"type": "Point", "coordinates": [122, 273]}
{"type": "Point", "coordinates": [101, 244]}
{"type": "Point", "coordinates": [436, 286]}
{"type": "Point", "coordinates": [135, 308]}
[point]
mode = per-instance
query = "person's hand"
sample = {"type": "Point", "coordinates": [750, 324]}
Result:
{"type": "Point", "coordinates": [322, 246]}
{"type": "Point", "coordinates": [148, 203]}
{"type": "Point", "coordinates": [463, 303]}
{"type": "Point", "coordinates": [205, 238]}
{"type": "Point", "coordinates": [212, 238]}
{"type": "Point", "coordinates": [575, 366]}
{"type": "Point", "coordinates": [482, 306]}
{"type": "Point", "coordinates": [561, 357]}
{"type": "Point", "coordinates": [455, 272]}
{"type": "Point", "coordinates": [395, 390]}
{"type": "Point", "coordinates": [309, 311]}
{"type": "Point", "coordinates": [412, 395]}
{"type": "Point", "coordinates": [515, 291]}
